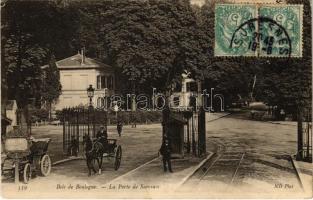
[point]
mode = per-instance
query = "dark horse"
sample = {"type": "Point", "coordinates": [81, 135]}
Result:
{"type": "Point", "coordinates": [94, 152]}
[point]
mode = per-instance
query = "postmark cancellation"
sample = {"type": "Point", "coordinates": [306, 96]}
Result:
{"type": "Point", "coordinates": [258, 30]}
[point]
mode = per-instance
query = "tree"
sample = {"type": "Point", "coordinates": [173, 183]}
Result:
{"type": "Point", "coordinates": [30, 33]}
{"type": "Point", "coordinates": [229, 76]}
{"type": "Point", "coordinates": [287, 82]}
{"type": "Point", "coordinates": [145, 40]}
{"type": "Point", "coordinates": [51, 87]}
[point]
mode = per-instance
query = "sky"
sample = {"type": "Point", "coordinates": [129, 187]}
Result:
{"type": "Point", "coordinates": [197, 2]}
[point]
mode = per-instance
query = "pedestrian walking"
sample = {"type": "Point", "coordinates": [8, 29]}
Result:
{"type": "Point", "coordinates": [165, 151]}
{"type": "Point", "coordinates": [119, 127]}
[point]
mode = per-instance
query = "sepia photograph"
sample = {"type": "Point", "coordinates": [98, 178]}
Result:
{"type": "Point", "coordinates": [156, 99]}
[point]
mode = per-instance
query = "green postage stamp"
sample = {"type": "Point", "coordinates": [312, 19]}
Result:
{"type": "Point", "coordinates": [258, 30]}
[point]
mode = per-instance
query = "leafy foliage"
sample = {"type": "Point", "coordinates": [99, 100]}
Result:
{"type": "Point", "coordinates": [51, 87]}
{"type": "Point", "coordinates": [149, 42]}
{"type": "Point", "coordinates": [30, 34]}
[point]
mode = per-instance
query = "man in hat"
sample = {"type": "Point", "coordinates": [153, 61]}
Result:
{"type": "Point", "coordinates": [165, 151]}
{"type": "Point", "coordinates": [102, 136]}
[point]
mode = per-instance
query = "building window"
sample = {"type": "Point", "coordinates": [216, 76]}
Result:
{"type": "Point", "coordinates": [103, 82]}
{"type": "Point", "coordinates": [98, 82]}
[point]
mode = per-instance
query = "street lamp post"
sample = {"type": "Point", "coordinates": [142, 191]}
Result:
{"type": "Point", "coordinates": [90, 93]}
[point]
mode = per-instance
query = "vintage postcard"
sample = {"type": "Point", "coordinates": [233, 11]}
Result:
{"type": "Point", "coordinates": [156, 99]}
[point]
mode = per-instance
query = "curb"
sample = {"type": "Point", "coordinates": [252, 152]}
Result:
{"type": "Point", "coordinates": [298, 173]}
{"type": "Point", "coordinates": [133, 170]}
{"type": "Point", "coordinates": [196, 169]}
{"type": "Point", "coordinates": [281, 123]}
{"type": "Point", "coordinates": [67, 160]}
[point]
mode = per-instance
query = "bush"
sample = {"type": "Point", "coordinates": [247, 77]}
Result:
{"type": "Point", "coordinates": [59, 115]}
{"type": "Point", "coordinates": [127, 117]}
{"type": "Point", "coordinates": [140, 117]}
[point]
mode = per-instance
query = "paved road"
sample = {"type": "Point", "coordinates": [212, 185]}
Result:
{"type": "Point", "coordinates": [139, 146]}
{"type": "Point", "coordinates": [252, 158]}
{"type": "Point", "coordinates": [262, 170]}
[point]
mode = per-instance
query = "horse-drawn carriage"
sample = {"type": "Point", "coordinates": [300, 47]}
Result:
{"type": "Point", "coordinates": [114, 151]}
{"type": "Point", "coordinates": [96, 149]}
{"type": "Point", "coordinates": [25, 157]}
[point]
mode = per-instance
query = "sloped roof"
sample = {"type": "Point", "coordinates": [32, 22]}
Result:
{"type": "Point", "coordinates": [75, 62]}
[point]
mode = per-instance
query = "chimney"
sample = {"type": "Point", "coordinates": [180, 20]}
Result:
{"type": "Point", "coordinates": [83, 55]}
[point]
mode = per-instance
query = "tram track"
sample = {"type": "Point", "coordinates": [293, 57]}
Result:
{"type": "Point", "coordinates": [224, 168]}
{"type": "Point", "coordinates": [231, 163]}
{"type": "Point", "coordinates": [229, 167]}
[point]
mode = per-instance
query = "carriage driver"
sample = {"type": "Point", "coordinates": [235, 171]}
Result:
{"type": "Point", "coordinates": [102, 136]}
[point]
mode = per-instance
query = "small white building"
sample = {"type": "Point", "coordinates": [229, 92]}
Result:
{"type": "Point", "coordinates": [189, 88]}
{"type": "Point", "coordinates": [11, 113]}
{"type": "Point", "coordinates": [76, 74]}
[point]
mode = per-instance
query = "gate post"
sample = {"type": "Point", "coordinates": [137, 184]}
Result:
{"type": "Point", "coordinates": [64, 138]}
{"type": "Point", "coordinates": [201, 133]}
{"type": "Point", "coordinates": [300, 136]}
{"type": "Point", "coordinates": [88, 120]}
{"type": "Point", "coordinates": [193, 141]}
{"type": "Point", "coordinates": [77, 127]}
{"type": "Point", "coordinates": [94, 123]}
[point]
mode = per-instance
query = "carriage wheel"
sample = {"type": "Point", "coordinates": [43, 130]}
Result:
{"type": "Point", "coordinates": [45, 165]}
{"type": "Point", "coordinates": [118, 157]}
{"type": "Point", "coordinates": [27, 173]}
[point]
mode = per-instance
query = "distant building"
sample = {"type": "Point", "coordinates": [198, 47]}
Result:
{"type": "Point", "coordinates": [11, 113]}
{"type": "Point", "coordinates": [9, 117]}
{"type": "Point", "coordinates": [76, 74]}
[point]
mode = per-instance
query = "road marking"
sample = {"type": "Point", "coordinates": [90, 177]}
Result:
{"type": "Point", "coordinates": [298, 174]}
{"type": "Point", "coordinates": [233, 178]}
{"type": "Point", "coordinates": [204, 174]}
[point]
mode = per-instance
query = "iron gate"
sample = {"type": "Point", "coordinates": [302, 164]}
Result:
{"type": "Point", "coordinates": [307, 136]}
{"type": "Point", "coordinates": [78, 122]}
